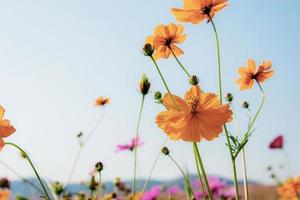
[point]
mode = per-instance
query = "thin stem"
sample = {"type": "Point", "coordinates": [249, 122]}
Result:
{"type": "Point", "coordinates": [183, 174]}
{"type": "Point", "coordinates": [220, 96]}
{"type": "Point", "coordinates": [199, 175]}
{"type": "Point", "coordinates": [288, 162]}
{"type": "Point", "coordinates": [244, 165]}
{"type": "Point", "coordinates": [153, 167]}
{"type": "Point", "coordinates": [21, 177]}
{"type": "Point", "coordinates": [197, 154]}
{"type": "Point", "coordinates": [98, 188]}
{"type": "Point", "coordinates": [135, 145]}
{"type": "Point", "coordinates": [32, 166]}
{"type": "Point", "coordinates": [164, 82]}
{"type": "Point", "coordinates": [89, 135]}
{"type": "Point", "coordinates": [259, 109]}
{"type": "Point", "coordinates": [180, 64]}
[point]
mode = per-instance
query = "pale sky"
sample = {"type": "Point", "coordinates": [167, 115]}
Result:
{"type": "Point", "coordinates": [57, 57]}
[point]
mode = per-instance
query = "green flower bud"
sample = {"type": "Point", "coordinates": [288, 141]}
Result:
{"type": "Point", "coordinates": [165, 151]}
{"type": "Point", "coordinates": [99, 166]}
{"type": "Point", "coordinates": [245, 105]}
{"type": "Point", "coordinates": [57, 188]}
{"type": "Point", "coordinates": [144, 85]}
{"type": "Point", "coordinates": [148, 50]}
{"type": "Point", "coordinates": [194, 80]}
{"type": "Point", "coordinates": [229, 97]}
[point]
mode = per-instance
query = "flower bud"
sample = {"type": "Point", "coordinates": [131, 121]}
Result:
{"type": "Point", "coordinates": [4, 183]}
{"type": "Point", "coordinates": [148, 50]}
{"type": "Point", "coordinates": [245, 105]}
{"type": "Point", "coordinates": [80, 196]}
{"type": "Point", "coordinates": [165, 151]}
{"type": "Point", "coordinates": [194, 80]}
{"type": "Point", "coordinates": [93, 184]}
{"type": "Point", "coordinates": [23, 154]}
{"type": "Point", "coordinates": [157, 97]}
{"type": "Point", "coordinates": [99, 166]}
{"type": "Point", "coordinates": [229, 97]}
{"type": "Point", "coordinates": [58, 188]}
{"type": "Point", "coordinates": [144, 85]}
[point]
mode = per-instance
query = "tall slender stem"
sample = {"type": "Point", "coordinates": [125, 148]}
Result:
{"type": "Point", "coordinates": [180, 64]}
{"type": "Point", "coordinates": [32, 166]}
{"type": "Point", "coordinates": [135, 145]}
{"type": "Point", "coordinates": [89, 135]}
{"type": "Point", "coordinates": [153, 167]}
{"type": "Point", "coordinates": [98, 187]}
{"type": "Point", "coordinates": [189, 187]}
{"type": "Point", "coordinates": [164, 82]}
{"type": "Point", "coordinates": [199, 175]}
{"type": "Point", "coordinates": [197, 153]}
{"type": "Point", "coordinates": [244, 165]}
{"type": "Point", "coordinates": [221, 96]}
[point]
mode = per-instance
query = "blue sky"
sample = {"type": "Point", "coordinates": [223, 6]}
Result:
{"type": "Point", "coordinates": [57, 57]}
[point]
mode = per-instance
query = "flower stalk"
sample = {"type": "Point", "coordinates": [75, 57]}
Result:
{"type": "Point", "coordinates": [221, 95]}
{"type": "Point", "coordinates": [33, 167]}
{"type": "Point", "coordinates": [135, 149]}
{"type": "Point", "coordinates": [180, 64]}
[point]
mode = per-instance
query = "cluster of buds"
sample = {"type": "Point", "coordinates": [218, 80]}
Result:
{"type": "Point", "coordinates": [57, 188]}
{"type": "Point", "coordinates": [144, 85]}
{"type": "Point", "coordinates": [4, 183]}
{"type": "Point", "coordinates": [122, 187]}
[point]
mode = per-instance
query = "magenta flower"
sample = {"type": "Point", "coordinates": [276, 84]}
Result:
{"type": "Point", "coordinates": [277, 143]}
{"type": "Point", "coordinates": [173, 190]}
{"type": "Point", "coordinates": [228, 194]}
{"type": "Point", "coordinates": [216, 186]}
{"type": "Point", "coordinates": [152, 194]}
{"type": "Point", "coordinates": [133, 144]}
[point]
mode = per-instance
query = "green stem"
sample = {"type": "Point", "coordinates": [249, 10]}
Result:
{"type": "Point", "coordinates": [32, 166]}
{"type": "Point", "coordinates": [221, 96]}
{"type": "Point", "coordinates": [98, 188]}
{"type": "Point", "coordinates": [164, 82]}
{"type": "Point", "coordinates": [81, 146]}
{"type": "Point", "coordinates": [153, 167]}
{"type": "Point", "coordinates": [190, 188]}
{"type": "Point", "coordinates": [135, 145]}
{"type": "Point", "coordinates": [21, 177]}
{"type": "Point", "coordinates": [199, 175]}
{"type": "Point", "coordinates": [180, 64]}
{"type": "Point", "coordinates": [197, 154]}
{"type": "Point", "coordinates": [259, 109]}
{"type": "Point", "coordinates": [244, 165]}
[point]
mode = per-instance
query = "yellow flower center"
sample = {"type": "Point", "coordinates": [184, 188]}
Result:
{"type": "Point", "coordinates": [192, 102]}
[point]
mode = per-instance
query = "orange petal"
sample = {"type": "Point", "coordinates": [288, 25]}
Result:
{"type": "Point", "coordinates": [161, 30]}
{"type": "Point", "coordinates": [169, 103]}
{"type": "Point", "coordinates": [179, 39]}
{"type": "Point", "coordinates": [172, 29]}
{"type": "Point", "coordinates": [6, 129]}
{"type": "Point", "coordinates": [1, 143]}
{"type": "Point", "coordinates": [264, 75]}
{"type": "Point", "coordinates": [208, 101]}
{"type": "Point", "coordinates": [251, 66]}
{"type": "Point", "coordinates": [180, 29]}
{"type": "Point", "coordinates": [2, 111]}
{"type": "Point", "coordinates": [191, 4]}
{"type": "Point", "coordinates": [150, 40]}
{"type": "Point", "coordinates": [193, 91]}
{"type": "Point", "coordinates": [177, 51]}
{"type": "Point", "coordinates": [192, 16]}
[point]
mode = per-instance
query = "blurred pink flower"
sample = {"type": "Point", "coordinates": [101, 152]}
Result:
{"type": "Point", "coordinates": [216, 185]}
{"type": "Point", "coordinates": [228, 194]}
{"type": "Point", "coordinates": [277, 143]}
{"type": "Point", "coordinates": [133, 144]}
{"type": "Point", "coordinates": [152, 194]}
{"type": "Point", "coordinates": [173, 190]}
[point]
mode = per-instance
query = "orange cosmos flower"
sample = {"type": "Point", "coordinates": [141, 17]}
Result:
{"type": "Point", "coordinates": [199, 116]}
{"type": "Point", "coordinates": [249, 74]}
{"type": "Point", "coordinates": [5, 128]}
{"type": "Point", "coordinates": [290, 190]}
{"type": "Point", "coordinates": [4, 195]}
{"type": "Point", "coordinates": [101, 101]}
{"type": "Point", "coordinates": [195, 11]}
{"type": "Point", "coordinates": [165, 39]}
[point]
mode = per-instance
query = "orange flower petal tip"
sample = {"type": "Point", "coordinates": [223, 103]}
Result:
{"type": "Point", "coordinates": [5, 128]}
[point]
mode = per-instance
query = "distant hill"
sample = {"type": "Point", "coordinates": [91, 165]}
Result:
{"type": "Point", "coordinates": [22, 188]}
